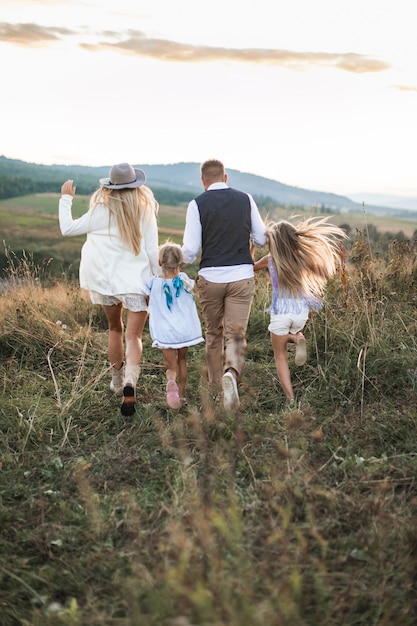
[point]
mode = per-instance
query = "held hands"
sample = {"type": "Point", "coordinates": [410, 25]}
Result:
{"type": "Point", "coordinates": [68, 188]}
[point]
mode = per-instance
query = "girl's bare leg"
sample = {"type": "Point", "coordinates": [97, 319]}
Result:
{"type": "Point", "coordinates": [170, 358]}
{"type": "Point", "coordinates": [182, 370]}
{"type": "Point", "coordinates": [279, 345]}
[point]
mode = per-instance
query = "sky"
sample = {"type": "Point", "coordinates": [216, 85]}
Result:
{"type": "Point", "coordinates": [320, 95]}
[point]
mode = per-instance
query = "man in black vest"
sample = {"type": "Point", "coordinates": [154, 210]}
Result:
{"type": "Point", "coordinates": [221, 221]}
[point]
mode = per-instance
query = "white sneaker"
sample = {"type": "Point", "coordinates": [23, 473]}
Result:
{"type": "Point", "coordinates": [230, 393]}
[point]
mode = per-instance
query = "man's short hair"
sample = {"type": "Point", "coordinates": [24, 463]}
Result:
{"type": "Point", "coordinates": [212, 171]}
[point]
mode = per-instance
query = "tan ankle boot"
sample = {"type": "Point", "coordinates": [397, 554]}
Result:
{"type": "Point", "coordinates": [116, 384]}
{"type": "Point", "coordinates": [131, 375]}
{"type": "Point", "coordinates": [129, 389]}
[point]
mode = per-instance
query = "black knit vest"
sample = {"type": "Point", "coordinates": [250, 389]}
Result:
{"type": "Point", "coordinates": [225, 216]}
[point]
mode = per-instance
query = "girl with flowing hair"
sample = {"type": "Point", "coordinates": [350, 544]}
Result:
{"type": "Point", "coordinates": [119, 256]}
{"type": "Point", "coordinates": [302, 257]}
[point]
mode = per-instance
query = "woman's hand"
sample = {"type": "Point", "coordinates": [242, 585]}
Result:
{"type": "Point", "coordinates": [68, 188]}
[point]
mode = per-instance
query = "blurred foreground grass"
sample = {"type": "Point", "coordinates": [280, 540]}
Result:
{"type": "Point", "coordinates": [270, 517]}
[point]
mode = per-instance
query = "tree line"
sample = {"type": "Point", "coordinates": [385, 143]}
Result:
{"type": "Point", "coordinates": [14, 186]}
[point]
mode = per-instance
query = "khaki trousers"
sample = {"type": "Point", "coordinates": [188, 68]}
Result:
{"type": "Point", "coordinates": [226, 308]}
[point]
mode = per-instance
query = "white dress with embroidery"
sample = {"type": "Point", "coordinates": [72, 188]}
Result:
{"type": "Point", "coordinates": [173, 316]}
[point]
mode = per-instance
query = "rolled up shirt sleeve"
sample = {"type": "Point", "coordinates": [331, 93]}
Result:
{"type": "Point", "coordinates": [258, 228]}
{"type": "Point", "coordinates": [192, 233]}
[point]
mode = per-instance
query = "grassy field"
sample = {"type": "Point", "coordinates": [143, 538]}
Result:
{"type": "Point", "coordinates": [30, 224]}
{"type": "Point", "coordinates": [38, 214]}
{"type": "Point", "coordinates": [268, 517]}
{"type": "Point", "coordinates": [29, 227]}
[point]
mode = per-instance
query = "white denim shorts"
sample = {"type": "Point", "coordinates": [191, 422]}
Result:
{"type": "Point", "coordinates": [131, 301]}
{"type": "Point", "coordinates": [284, 323]}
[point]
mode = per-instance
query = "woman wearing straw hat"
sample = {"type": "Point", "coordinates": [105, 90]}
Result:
{"type": "Point", "coordinates": [119, 256]}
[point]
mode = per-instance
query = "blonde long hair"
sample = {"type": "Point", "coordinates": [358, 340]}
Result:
{"type": "Point", "coordinates": [305, 254]}
{"type": "Point", "coordinates": [130, 208]}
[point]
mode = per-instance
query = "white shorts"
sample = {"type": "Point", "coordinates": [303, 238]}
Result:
{"type": "Point", "coordinates": [130, 301]}
{"type": "Point", "coordinates": [284, 323]}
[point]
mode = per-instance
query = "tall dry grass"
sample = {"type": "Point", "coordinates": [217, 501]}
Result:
{"type": "Point", "coordinates": [269, 517]}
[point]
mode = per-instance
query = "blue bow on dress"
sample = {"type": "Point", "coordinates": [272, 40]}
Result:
{"type": "Point", "coordinates": [177, 283]}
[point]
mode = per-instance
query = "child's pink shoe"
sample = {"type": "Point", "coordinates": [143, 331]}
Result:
{"type": "Point", "coordinates": [173, 397]}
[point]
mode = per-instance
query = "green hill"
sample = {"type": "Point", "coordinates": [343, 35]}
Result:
{"type": "Point", "coordinates": [174, 184]}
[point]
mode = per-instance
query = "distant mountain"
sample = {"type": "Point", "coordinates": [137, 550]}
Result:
{"type": "Point", "coordinates": [396, 202]}
{"type": "Point", "coordinates": [187, 176]}
{"type": "Point", "coordinates": [180, 179]}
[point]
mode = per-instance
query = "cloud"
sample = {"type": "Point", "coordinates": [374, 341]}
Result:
{"type": "Point", "coordinates": [30, 34]}
{"type": "Point", "coordinates": [137, 43]}
{"type": "Point", "coordinates": [38, 3]}
{"type": "Point", "coordinates": [405, 87]}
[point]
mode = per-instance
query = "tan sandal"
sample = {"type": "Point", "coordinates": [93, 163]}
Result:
{"type": "Point", "coordinates": [300, 351]}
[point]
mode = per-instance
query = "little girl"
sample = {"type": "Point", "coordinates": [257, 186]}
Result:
{"type": "Point", "coordinates": [174, 324]}
{"type": "Point", "coordinates": [302, 257]}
